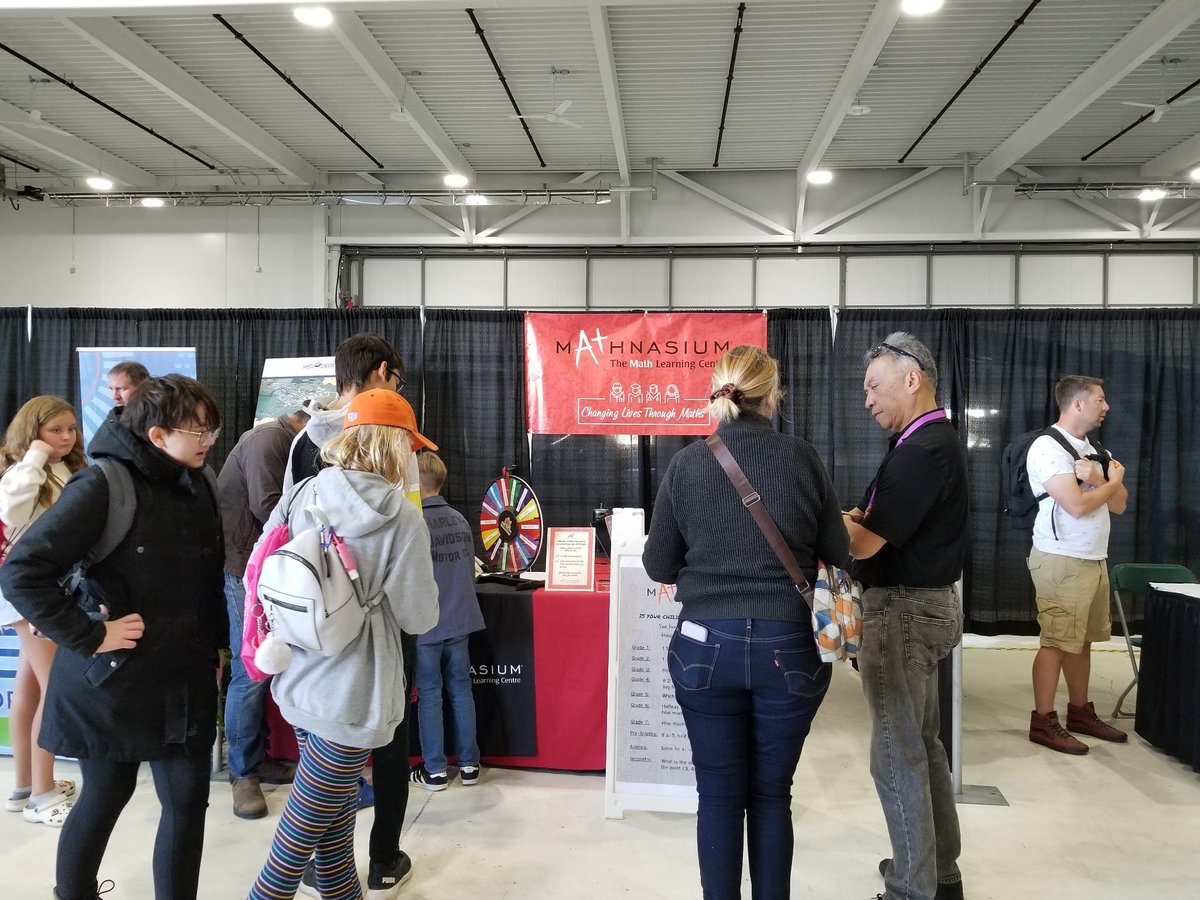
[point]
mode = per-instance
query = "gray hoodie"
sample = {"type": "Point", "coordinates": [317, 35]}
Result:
{"type": "Point", "coordinates": [358, 697]}
{"type": "Point", "coordinates": [324, 424]}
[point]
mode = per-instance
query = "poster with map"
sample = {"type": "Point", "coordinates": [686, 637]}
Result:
{"type": "Point", "coordinates": [288, 382]}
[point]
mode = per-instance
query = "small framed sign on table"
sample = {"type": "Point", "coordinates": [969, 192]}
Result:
{"type": "Point", "coordinates": [571, 562]}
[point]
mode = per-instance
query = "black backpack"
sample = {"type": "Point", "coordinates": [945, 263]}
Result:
{"type": "Point", "coordinates": [1020, 503]}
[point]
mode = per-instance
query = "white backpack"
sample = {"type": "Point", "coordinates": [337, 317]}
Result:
{"type": "Point", "coordinates": [310, 591]}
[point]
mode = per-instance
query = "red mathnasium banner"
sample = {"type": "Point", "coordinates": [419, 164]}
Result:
{"type": "Point", "coordinates": [628, 373]}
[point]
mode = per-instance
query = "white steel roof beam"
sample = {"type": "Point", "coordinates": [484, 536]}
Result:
{"type": "Point", "coordinates": [876, 33]}
{"type": "Point", "coordinates": [147, 63]}
{"type": "Point", "coordinates": [721, 200]}
{"type": "Point", "coordinates": [435, 218]}
{"type": "Point", "coordinates": [874, 199]}
{"type": "Point", "coordinates": [358, 41]}
{"type": "Point", "coordinates": [525, 212]}
{"type": "Point", "coordinates": [602, 38]}
{"type": "Point", "coordinates": [1146, 38]}
{"type": "Point", "coordinates": [80, 152]}
{"type": "Point", "coordinates": [1095, 209]}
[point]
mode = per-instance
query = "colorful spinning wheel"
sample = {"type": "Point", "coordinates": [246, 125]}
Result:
{"type": "Point", "coordinates": [510, 523]}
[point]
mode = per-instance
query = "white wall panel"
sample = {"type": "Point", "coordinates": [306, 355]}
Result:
{"type": "Point", "coordinates": [1150, 280]}
{"type": "Point", "coordinates": [1062, 280]}
{"type": "Point", "coordinates": [885, 281]}
{"type": "Point", "coordinates": [464, 282]}
{"type": "Point", "coordinates": [972, 280]}
{"type": "Point", "coordinates": [814, 281]}
{"type": "Point", "coordinates": [392, 282]}
{"type": "Point", "coordinates": [711, 283]}
{"type": "Point", "coordinates": [629, 283]}
{"type": "Point", "coordinates": [547, 283]}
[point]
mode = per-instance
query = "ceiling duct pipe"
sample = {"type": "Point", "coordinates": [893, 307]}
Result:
{"type": "Point", "coordinates": [18, 162]}
{"type": "Point", "coordinates": [116, 112]}
{"type": "Point", "coordinates": [504, 83]}
{"type": "Point", "coordinates": [1138, 121]}
{"type": "Point", "coordinates": [737, 36]}
{"type": "Point", "coordinates": [975, 74]}
{"type": "Point", "coordinates": [295, 87]}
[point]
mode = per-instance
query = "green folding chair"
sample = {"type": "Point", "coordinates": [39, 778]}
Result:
{"type": "Point", "coordinates": [1133, 580]}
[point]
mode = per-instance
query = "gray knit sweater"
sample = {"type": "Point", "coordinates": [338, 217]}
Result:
{"type": "Point", "coordinates": [703, 540]}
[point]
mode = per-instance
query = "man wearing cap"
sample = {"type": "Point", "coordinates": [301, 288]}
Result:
{"type": "Point", "coordinates": [365, 362]}
{"type": "Point", "coordinates": [249, 486]}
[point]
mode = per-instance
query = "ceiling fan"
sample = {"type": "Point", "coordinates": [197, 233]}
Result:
{"type": "Point", "coordinates": [555, 116]}
{"type": "Point", "coordinates": [1163, 105]}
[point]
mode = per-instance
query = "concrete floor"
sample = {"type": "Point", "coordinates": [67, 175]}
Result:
{"type": "Point", "coordinates": [1122, 822]}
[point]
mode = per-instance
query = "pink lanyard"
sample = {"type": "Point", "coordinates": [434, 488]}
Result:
{"type": "Point", "coordinates": [937, 415]}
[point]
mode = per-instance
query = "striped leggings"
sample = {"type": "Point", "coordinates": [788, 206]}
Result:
{"type": "Point", "coordinates": [319, 817]}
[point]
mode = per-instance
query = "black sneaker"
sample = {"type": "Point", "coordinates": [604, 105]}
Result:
{"type": "Point", "coordinates": [420, 776]}
{"type": "Point", "coordinates": [383, 880]}
{"type": "Point", "coordinates": [469, 775]}
{"type": "Point", "coordinates": [308, 881]}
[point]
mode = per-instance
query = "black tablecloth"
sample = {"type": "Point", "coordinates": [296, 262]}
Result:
{"type": "Point", "coordinates": [1168, 694]}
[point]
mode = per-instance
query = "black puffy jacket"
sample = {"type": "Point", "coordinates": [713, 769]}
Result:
{"type": "Point", "coordinates": [160, 699]}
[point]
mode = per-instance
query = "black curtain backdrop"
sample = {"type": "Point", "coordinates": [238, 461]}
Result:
{"type": "Point", "coordinates": [231, 346]}
{"type": "Point", "coordinates": [474, 371]}
{"type": "Point", "coordinates": [14, 349]}
{"type": "Point", "coordinates": [997, 370]}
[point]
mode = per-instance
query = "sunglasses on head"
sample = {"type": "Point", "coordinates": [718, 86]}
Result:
{"type": "Point", "coordinates": [885, 347]}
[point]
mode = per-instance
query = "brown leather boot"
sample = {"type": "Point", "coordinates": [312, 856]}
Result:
{"type": "Point", "coordinates": [1047, 731]}
{"type": "Point", "coordinates": [248, 799]}
{"type": "Point", "coordinates": [1083, 720]}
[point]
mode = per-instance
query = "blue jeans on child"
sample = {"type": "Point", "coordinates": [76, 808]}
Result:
{"type": "Point", "coordinates": [749, 693]}
{"type": "Point", "coordinates": [445, 664]}
{"type": "Point", "coordinates": [906, 633]}
{"type": "Point", "coordinates": [245, 724]}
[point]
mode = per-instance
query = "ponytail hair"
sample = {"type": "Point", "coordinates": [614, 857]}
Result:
{"type": "Point", "coordinates": [743, 379]}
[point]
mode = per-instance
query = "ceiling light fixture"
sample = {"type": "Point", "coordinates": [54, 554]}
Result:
{"type": "Point", "coordinates": [920, 7]}
{"type": "Point", "coordinates": [1194, 174]}
{"type": "Point", "coordinates": [475, 200]}
{"type": "Point", "coordinates": [100, 183]}
{"type": "Point", "coordinates": [455, 180]}
{"type": "Point", "coordinates": [313, 16]}
{"type": "Point", "coordinates": [819, 176]}
{"type": "Point", "coordinates": [1149, 195]}
{"type": "Point", "coordinates": [152, 202]}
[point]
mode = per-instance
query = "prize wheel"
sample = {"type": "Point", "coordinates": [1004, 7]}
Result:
{"type": "Point", "coordinates": [510, 523]}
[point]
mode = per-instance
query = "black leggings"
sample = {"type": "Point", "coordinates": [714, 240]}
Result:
{"type": "Point", "coordinates": [390, 768]}
{"type": "Point", "coordinates": [182, 786]}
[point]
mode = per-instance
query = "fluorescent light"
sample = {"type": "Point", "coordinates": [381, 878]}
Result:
{"type": "Point", "coordinates": [1149, 195]}
{"type": "Point", "coordinates": [455, 180]}
{"type": "Point", "coordinates": [819, 176]}
{"type": "Point", "coordinates": [152, 202]}
{"type": "Point", "coordinates": [100, 183]}
{"type": "Point", "coordinates": [920, 7]}
{"type": "Point", "coordinates": [475, 200]}
{"type": "Point", "coordinates": [314, 16]}
{"type": "Point", "coordinates": [1194, 174]}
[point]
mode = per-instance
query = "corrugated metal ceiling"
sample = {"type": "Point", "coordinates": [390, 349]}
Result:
{"type": "Point", "coordinates": [671, 63]}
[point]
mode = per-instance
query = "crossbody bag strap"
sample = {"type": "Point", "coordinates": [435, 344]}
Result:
{"type": "Point", "coordinates": [753, 502]}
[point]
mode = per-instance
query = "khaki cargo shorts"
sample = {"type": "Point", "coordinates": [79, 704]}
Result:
{"type": "Point", "coordinates": [1072, 600]}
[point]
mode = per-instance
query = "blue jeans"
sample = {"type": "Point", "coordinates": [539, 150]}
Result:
{"type": "Point", "coordinates": [245, 722]}
{"type": "Point", "coordinates": [749, 693]}
{"type": "Point", "coordinates": [906, 633]}
{"type": "Point", "coordinates": [445, 664]}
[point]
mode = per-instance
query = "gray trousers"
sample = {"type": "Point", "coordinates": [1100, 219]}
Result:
{"type": "Point", "coordinates": [906, 633]}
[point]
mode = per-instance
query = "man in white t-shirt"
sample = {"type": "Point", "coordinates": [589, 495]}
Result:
{"type": "Point", "coordinates": [1068, 562]}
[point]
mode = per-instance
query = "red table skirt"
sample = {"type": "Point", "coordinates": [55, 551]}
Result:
{"type": "Point", "coordinates": [570, 666]}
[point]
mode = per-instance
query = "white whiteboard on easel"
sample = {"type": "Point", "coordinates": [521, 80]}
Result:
{"type": "Point", "coordinates": [649, 758]}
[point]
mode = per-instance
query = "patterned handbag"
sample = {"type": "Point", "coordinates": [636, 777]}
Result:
{"type": "Point", "coordinates": [835, 602]}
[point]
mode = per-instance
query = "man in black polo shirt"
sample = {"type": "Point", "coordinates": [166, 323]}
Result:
{"type": "Point", "coordinates": [908, 539]}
